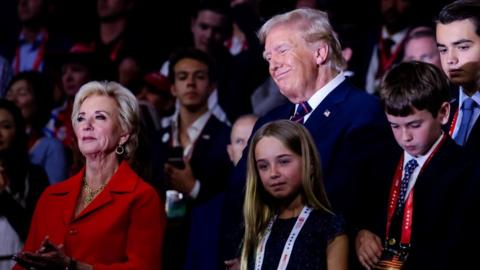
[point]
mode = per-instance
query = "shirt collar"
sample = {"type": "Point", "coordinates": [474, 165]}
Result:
{"type": "Point", "coordinates": [397, 37]}
{"type": "Point", "coordinates": [423, 158]}
{"type": "Point", "coordinates": [193, 131]}
{"type": "Point", "coordinates": [323, 92]}
{"type": "Point", "coordinates": [38, 39]}
{"type": "Point", "coordinates": [463, 96]}
{"type": "Point", "coordinates": [196, 128]}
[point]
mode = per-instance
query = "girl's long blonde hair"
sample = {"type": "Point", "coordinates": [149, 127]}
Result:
{"type": "Point", "coordinates": [259, 206]}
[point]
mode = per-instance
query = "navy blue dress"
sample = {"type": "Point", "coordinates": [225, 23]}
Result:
{"type": "Point", "coordinates": [309, 250]}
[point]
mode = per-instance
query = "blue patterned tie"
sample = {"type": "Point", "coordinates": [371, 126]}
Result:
{"type": "Point", "coordinates": [302, 110]}
{"type": "Point", "coordinates": [409, 168]}
{"type": "Point", "coordinates": [467, 109]}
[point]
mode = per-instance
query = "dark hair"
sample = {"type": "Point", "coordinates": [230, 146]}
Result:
{"type": "Point", "coordinates": [42, 91]}
{"type": "Point", "coordinates": [191, 53]}
{"type": "Point", "coordinates": [96, 63]}
{"type": "Point", "coordinates": [415, 84]}
{"type": "Point", "coordinates": [421, 32]}
{"type": "Point", "coordinates": [15, 159]}
{"type": "Point", "coordinates": [217, 6]}
{"type": "Point", "coordinates": [461, 10]}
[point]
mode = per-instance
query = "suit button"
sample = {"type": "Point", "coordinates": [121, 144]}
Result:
{"type": "Point", "coordinates": [72, 232]}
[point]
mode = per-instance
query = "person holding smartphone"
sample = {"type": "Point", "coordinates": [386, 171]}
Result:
{"type": "Point", "coordinates": [192, 160]}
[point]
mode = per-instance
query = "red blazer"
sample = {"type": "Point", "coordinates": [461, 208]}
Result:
{"type": "Point", "coordinates": [122, 228]}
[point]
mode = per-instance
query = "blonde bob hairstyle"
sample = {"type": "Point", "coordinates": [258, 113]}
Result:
{"type": "Point", "coordinates": [128, 109]}
{"type": "Point", "coordinates": [314, 26]}
{"type": "Point", "coordinates": [259, 206]}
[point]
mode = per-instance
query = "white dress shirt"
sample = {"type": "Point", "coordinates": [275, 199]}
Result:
{"type": "Point", "coordinates": [322, 93]}
{"type": "Point", "coordinates": [421, 162]}
{"type": "Point", "coordinates": [193, 131]}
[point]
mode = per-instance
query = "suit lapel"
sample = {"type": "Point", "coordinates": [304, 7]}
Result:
{"type": "Point", "coordinates": [288, 112]}
{"type": "Point", "coordinates": [102, 199]}
{"type": "Point", "coordinates": [473, 137]}
{"type": "Point", "coordinates": [123, 181]}
{"type": "Point", "coordinates": [453, 112]}
{"type": "Point", "coordinates": [67, 193]}
{"type": "Point", "coordinates": [206, 136]}
{"type": "Point", "coordinates": [71, 204]}
{"type": "Point", "coordinates": [327, 110]}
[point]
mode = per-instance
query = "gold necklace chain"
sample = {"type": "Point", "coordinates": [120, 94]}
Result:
{"type": "Point", "coordinates": [90, 193]}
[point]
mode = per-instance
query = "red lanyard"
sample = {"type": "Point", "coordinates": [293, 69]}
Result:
{"type": "Point", "coordinates": [385, 60]}
{"type": "Point", "coordinates": [454, 122]}
{"type": "Point", "coordinates": [115, 51]}
{"type": "Point", "coordinates": [406, 227]}
{"type": "Point", "coordinates": [38, 58]}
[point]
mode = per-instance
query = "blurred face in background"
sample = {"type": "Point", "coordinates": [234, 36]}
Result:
{"type": "Point", "coordinates": [241, 131]}
{"type": "Point", "coordinates": [30, 11]}
{"type": "Point", "coordinates": [109, 10]}
{"type": "Point", "coordinates": [423, 49]}
{"type": "Point", "coordinates": [7, 130]}
{"type": "Point", "coordinates": [209, 30]}
{"type": "Point", "coordinates": [74, 75]}
{"type": "Point", "coordinates": [395, 14]}
{"type": "Point", "coordinates": [21, 94]}
{"type": "Point", "coordinates": [129, 72]}
{"type": "Point", "coordinates": [163, 102]}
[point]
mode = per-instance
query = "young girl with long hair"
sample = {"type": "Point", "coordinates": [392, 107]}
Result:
{"type": "Point", "coordinates": [288, 221]}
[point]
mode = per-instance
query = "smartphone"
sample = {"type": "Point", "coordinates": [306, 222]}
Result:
{"type": "Point", "coordinates": [175, 157]}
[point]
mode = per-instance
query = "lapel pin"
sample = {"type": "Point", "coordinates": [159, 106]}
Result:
{"type": "Point", "coordinates": [165, 137]}
{"type": "Point", "coordinates": [326, 113]}
{"type": "Point", "coordinates": [206, 137]}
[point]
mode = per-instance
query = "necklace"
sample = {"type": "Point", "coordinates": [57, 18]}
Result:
{"type": "Point", "coordinates": [90, 193]}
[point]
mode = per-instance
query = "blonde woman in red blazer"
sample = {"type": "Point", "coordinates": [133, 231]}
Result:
{"type": "Point", "coordinates": [105, 217]}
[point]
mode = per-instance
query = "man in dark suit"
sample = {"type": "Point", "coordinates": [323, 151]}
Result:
{"type": "Point", "coordinates": [347, 124]}
{"type": "Point", "coordinates": [386, 45]}
{"type": "Point", "coordinates": [458, 40]}
{"type": "Point", "coordinates": [202, 166]}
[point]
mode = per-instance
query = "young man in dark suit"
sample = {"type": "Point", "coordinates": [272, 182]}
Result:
{"type": "Point", "coordinates": [202, 167]}
{"type": "Point", "coordinates": [386, 45]}
{"type": "Point", "coordinates": [458, 40]}
{"type": "Point", "coordinates": [409, 224]}
{"type": "Point", "coordinates": [347, 124]}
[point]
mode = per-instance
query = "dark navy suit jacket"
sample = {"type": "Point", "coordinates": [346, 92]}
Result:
{"type": "Point", "coordinates": [353, 137]}
{"type": "Point", "coordinates": [473, 140]}
{"type": "Point", "coordinates": [464, 239]}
